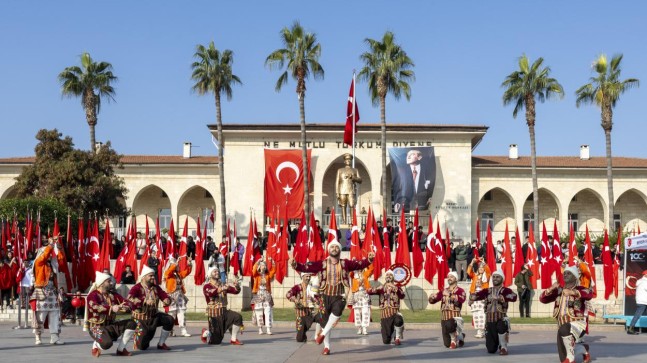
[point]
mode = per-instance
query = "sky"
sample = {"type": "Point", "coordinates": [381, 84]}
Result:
{"type": "Point", "coordinates": [462, 52]}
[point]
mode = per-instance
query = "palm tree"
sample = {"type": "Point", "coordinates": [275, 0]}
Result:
{"type": "Point", "coordinates": [604, 90]}
{"type": "Point", "coordinates": [524, 87]}
{"type": "Point", "coordinates": [387, 69]}
{"type": "Point", "coordinates": [212, 73]}
{"type": "Point", "coordinates": [301, 52]}
{"type": "Point", "coordinates": [91, 81]}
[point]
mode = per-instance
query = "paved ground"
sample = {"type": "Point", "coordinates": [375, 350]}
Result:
{"type": "Point", "coordinates": [422, 343]}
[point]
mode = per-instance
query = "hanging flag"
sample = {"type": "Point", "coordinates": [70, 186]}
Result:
{"type": "Point", "coordinates": [282, 250]}
{"type": "Point", "coordinates": [332, 231]}
{"type": "Point", "coordinates": [284, 180]}
{"type": "Point", "coordinates": [120, 262]}
{"type": "Point", "coordinates": [182, 257]}
{"type": "Point", "coordinates": [235, 262]}
{"type": "Point", "coordinates": [199, 276]}
{"type": "Point", "coordinates": [490, 255]}
{"type": "Point", "coordinates": [301, 252]}
{"type": "Point", "coordinates": [272, 241]}
{"type": "Point", "coordinates": [170, 242]}
{"type": "Point", "coordinates": [402, 250]}
{"type": "Point", "coordinates": [557, 256]}
{"type": "Point", "coordinates": [316, 252]}
{"type": "Point", "coordinates": [607, 266]}
{"type": "Point", "coordinates": [147, 249]}
{"type": "Point", "coordinates": [248, 259]}
{"type": "Point", "coordinates": [104, 259]}
{"type": "Point", "coordinates": [352, 115]}
{"type": "Point", "coordinates": [82, 281]}
{"type": "Point", "coordinates": [588, 258]}
{"type": "Point", "coordinates": [531, 257]}
{"type": "Point", "coordinates": [572, 246]}
{"type": "Point", "coordinates": [417, 258]}
{"type": "Point", "coordinates": [442, 266]}
{"type": "Point", "coordinates": [518, 253]}
{"type": "Point", "coordinates": [355, 248]}
{"type": "Point", "coordinates": [616, 261]}
{"type": "Point", "coordinates": [375, 245]}
{"type": "Point", "coordinates": [546, 266]}
{"type": "Point", "coordinates": [430, 255]}
{"type": "Point", "coordinates": [385, 239]}
{"type": "Point", "coordinates": [506, 258]}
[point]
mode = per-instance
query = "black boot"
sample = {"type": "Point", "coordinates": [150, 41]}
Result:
{"type": "Point", "coordinates": [631, 331]}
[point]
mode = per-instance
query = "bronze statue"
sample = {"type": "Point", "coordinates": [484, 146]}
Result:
{"type": "Point", "coordinates": [345, 187]}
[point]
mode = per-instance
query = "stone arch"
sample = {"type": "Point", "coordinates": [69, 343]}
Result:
{"type": "Point", "coordinates": [9, 193]}
{"type": "Point", "coordinates": [631, 205]}
{"type": "Point", "coordinates": [329, 197]}
{"type": "Point", "coordinates": [150, 200]}
{"type": "Point", "coordinates": [549, 207]}
{"type": "Point", "coordinates": [501, 204]}
{"type": "Point", "coordinates": [590, 208]}
{"type": "Point", "coordinates": [193, 202]}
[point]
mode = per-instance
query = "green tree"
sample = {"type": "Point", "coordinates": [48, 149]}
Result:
{"type": "Point", "coordinates": [212, 73]}
{"type": "Point", "coordinates": [387, 69]}
{"type": "Point", "coordinates": [604, 91]}
{"type": "Point", "coordinates": [91, 81]}
{"type": "Point", "coordinates": [301, 52]}
{"type": "Point", "coordinates": [80, 180]}
{"type": "Point", "coordinates": [49, 209]}
{"type": "Point", "coordinates": [524, 87]}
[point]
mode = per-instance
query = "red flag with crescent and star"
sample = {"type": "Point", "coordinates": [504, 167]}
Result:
{"type": "Point", "coordinates": [284, 181]}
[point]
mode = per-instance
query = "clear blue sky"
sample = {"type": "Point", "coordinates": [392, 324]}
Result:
{"type": "Point", "coordinates": [462, 50]}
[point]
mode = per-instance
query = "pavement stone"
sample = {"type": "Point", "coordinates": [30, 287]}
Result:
{"type": "Point", "coordinates": [531, 343]}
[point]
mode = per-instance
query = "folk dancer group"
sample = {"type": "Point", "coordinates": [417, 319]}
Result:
{"type": "Point", "coordinates": [319, 299]}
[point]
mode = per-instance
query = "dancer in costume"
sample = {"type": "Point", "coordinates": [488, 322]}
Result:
{"type": "Point", "coordinates": [219, 317]}
{"type": "Point", "coordinates": [333, 277]}
{"type": "Point", "coordinates": [144, 298]}
{"type": "Point", "coordinates": [479, 273]}
{"type": "Point", "coordinates": [303, 307]}
{"type": "Point", "coordinates": [45, 300]}
{"type": "Point", "coordinates": [391, 319]}
{"type": "Point", "coordinates": [497, 324]}
{"type": "Point", "coordinates": [262, 294]}
{"type": "Point", "coordinates": [174, 278]}
{"type": "Point", "coordinates": [451, 323]}
{"type": "Point", "coordinates": [359, 299]}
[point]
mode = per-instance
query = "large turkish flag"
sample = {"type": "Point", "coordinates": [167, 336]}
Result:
{"type": "Point", "coordinates": [284, 182]}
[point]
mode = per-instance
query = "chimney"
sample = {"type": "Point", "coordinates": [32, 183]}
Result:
{"type": "Point", "coordinates": [584, 152]}
{"type": "Point", "coordinates": [186, 151]}
{"type": "Point", "coordinates": [97, 146]}
{"type": "Point", "coordinates": [514, 152]}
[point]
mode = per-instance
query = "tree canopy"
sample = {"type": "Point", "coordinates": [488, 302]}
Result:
{"type": "Point", "coordinates": [80, 180]}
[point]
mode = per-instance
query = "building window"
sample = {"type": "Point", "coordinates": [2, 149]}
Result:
{"type": "Point", "coordinates": [572, 218]}
{"type": "Point", "coordinates": [528, 220]}
{"type": "Point", "coordinates": [487, 218]}
{"type": "Point", "coordinates": [165, 218]}
{"type": "Point", "coordinates": [617, 223]}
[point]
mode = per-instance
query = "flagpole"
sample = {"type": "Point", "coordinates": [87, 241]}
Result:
{"type": "Point", "coordinates": [353, 146]}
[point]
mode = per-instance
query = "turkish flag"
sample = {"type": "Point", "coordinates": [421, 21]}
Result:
{"type": "Point", "coordinates": [506, 259]}
{"type": "Point", "coordinates": [418, 259]}
{"type": "Point", "coordinates": [533, 264]}
{"type": "Point", "coordinates": [430, 260]}
{"type": "Point", "coordinates": [402, 254]}
{"type": "Point", "coordinates": [284, 181]}
{"type": "Point", "coordinates": [607, 268]}
{"type": "Point", "coordinates": [350, 115]}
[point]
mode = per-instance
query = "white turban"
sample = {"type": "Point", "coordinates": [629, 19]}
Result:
{"type": "Point", "coordinates": [210, 270]}
{"type": "Point", "coordinates": [574, 270]}
{"type": "Point", "coordinates": [100, 278]}
{"type": "Point", "coordinates": [500, 273]}
{"type": "Point", "coordinates": [334, 243]}
{"type": "Point", "coordinates": [145, 271]}
{"type": "Point", "coordinates": [453, 273]}
{"type": "Point", "coordinates": [389, 272]}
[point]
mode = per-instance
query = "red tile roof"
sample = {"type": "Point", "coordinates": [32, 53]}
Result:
{"type": "Point", "coordinates": [135, 159]}
{"type": "Point", "coordinates": [557, 162]}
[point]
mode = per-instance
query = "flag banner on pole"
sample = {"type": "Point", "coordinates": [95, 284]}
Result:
{"type": "Point", "coordinates": [351, 115]}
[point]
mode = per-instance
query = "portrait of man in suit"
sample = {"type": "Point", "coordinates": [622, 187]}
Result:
{"type": "Point", "coordinates": [413, 173]}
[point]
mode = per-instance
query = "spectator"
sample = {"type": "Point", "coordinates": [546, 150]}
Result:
{"type": "Point", "coordinates": [410, 232]}
{"type": "Point", "coordinates": [524, 249]}
{"type": "Point", "coordinates": [127, 276]}
{"type": "Point", "coordinates": [391, 231]}
{"type": "Point", "coordinates": [641, 302]}
{"type": "Point", "coordinates": [115, 246]}
{"type": "Point", "coordinates": [5, 285]}
{"type": "Point", "coordinates": [190, 247]}
{"type": "Point", "coordinates": [524, 290]}
{"type": "Point", "coordinates": [320, 231]}
{"type": "Point", "coordinates": [499, 250]}
{"type": "Point", "coordinates": [211, 247]}
{"type": "Point", "coordinates": [141, 245]}
{"type": "Point", "coordinates": [327, 210]}
{"type": "Point", "coordinates": [470, 255]}
{"type": "Point", "coordinates": [422, 239]}
{"type": "Point", "coordinates": [597, 254]}
{"type": "Point", "coordinates": [451, 261]}
{"type": "Point", "coordinates": [241, 254]}
{"type": "Point", "coordinates": [216, 260]}
{"type": "Point", "coordinates": [460, 255]}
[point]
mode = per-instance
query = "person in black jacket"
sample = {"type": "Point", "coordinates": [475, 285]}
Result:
{"type": "Point", "coordinates": [127, 276]}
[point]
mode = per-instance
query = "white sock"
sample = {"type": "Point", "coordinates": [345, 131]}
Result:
{"type": "Point", "coordinates": [569, 343]}
{"type": "Point", "coordinates": [327, 341]}
{"type": "Point", "coordinates": [331, 322]}
{"type": "Point", "coordinates": [502, 341]}
{"type": "Point", "coordinates": [163, 335]}
{"type": "Point", "coordinates": [398, 332]}
{"type": "Point", "coordinates": [234, 332]}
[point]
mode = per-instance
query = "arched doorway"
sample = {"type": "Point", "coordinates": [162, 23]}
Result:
{"type": "Point", "coordinates": [586, 208]}
{"type": "Point", "coordinates": [196, 201]}
{"type": "Point", "coordinates": [154, 202]}
{"type": "Point", "coordinates": [329, 195]}
{"type": "Point", "coordinates": [631, 209]}
{"type": "Point", "coordinates": [496, 209]}
{"type": "Point", "coordinates": [10, 193]}
{"type": "Point", "coordinates": [549, 209]}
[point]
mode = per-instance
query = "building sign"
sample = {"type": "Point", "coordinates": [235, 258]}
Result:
{"type": "Point", "coordinates": [342, 145]}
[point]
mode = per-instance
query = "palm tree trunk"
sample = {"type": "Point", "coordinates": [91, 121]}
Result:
{"type": "Point", "coordinates": [383, 142]}
{"type": "Point", "coordinates": [221, 167]}
{"type": "Point", "coordinates": [93, 143]}
{"type": "Point", "coordinates": [607, 125]}
{"type": "Point", "coordinates": [90, 106]}
{"type": "Point", "coordinates": [530, 120]}
{"type": "Point", "coordinates": [304, 157]}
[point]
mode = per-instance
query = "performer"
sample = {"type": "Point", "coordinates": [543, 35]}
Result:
{"type": "Point", "coordinates": [479, 273]}
{"type": "Point", "coordinates": [219, 317]}
{"type": "Point", "coordinates": [333, 276]}
{"type": "Point", "coordinates": [44, 300]}
{"type": "Point", "coordinates": [570, 312]}
{"type": "Point", "coordinates": [262, 294]}
{"type": "Point", "coordinates": [451, 324]}
{"type": "Point", "coordinates": [144, 298]}
{"type": "Point", "coordinates": [391, 320]}
{"type": "Point", "coordinates": [176, 290]}
{"type": "Point", "coordinates": [497, 324]}
{"type": "Point", "coordinates": [345, 186]}
{"type": "Point", "coordinates": [359, 299]}
{"type": "Point", "coordinates": [303, 299]}
{"type": "Point", "coordinates": [103, 304]}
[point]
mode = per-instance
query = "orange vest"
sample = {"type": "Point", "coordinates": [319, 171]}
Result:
{"type": "Point", "coordinates": [366, 274]}
{"type": "Point", "coordinates": [171, 278]}
{"type": "Point", "coordinates": [256, 278]}
{"type": "Point", "coordinates": [43, 271]}
{"type": "Point", "coordinates": [473, 275]}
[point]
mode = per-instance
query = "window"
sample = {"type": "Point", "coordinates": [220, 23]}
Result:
{"type": "Point", "coordinates": [617, 222]}
{"type": "Point", "coordinates": [165, 218]}
{"type": "Point", "coordinates": [528, 221]}
{"type": "Point", "coordinates": [487, 218]}
{"type": "Point", "coordinates": [572, 218]}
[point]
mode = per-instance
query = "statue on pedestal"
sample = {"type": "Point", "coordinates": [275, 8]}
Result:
{"type": "Point", "coordinates": [345, 187]}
